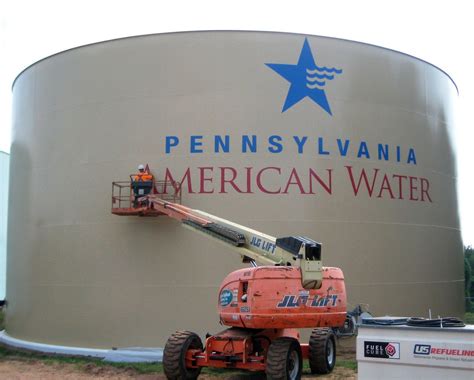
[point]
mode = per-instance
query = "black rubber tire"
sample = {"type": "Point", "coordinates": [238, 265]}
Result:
{"type": "Point", "coordinates": [282, 357]}
{"type": "Point", "coordinates": [322, 351]}
{"type": "Point", "coordinates": [174, 356]}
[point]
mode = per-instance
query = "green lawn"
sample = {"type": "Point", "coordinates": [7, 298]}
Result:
{"type": "Point", "coordinates": [469, 318]}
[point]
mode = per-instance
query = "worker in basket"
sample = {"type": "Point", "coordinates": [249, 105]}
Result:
{"type": "Point", "coordinates": [142, 184]}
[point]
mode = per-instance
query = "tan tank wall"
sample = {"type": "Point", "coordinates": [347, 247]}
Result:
{"type": "Point", "coordinates": [78, 275]}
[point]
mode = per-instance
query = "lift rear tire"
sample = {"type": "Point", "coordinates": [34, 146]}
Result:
{"type": "Point", "coordinates": [284, 360]}
{"type": "Point", "coordinates": [322, 351]}
{"type": "Point", "coordinates": [174, 355]}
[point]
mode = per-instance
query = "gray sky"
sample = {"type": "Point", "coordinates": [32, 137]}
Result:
{"type": "Point", "coordinates": [438, 32]}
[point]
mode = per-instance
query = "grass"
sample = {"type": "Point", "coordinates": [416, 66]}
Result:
{"type": "Point", "coordinates": [342, 363]}
{"type": "Point", "coordinates": [82, 363]}
{"type": "Point", "coordinates": [469, 318]}
{"type": "Point", "coordinates": [86, 364]}
{"type": "Point", "coordinates": [350, 364]}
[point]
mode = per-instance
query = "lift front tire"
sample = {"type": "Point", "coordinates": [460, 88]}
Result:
{"type": "Point", "coordinates": [174, 356]}
{"type": "Point", "coordinates": [322, 351]}
{"type": "Point", "coordinates": [284, 360]}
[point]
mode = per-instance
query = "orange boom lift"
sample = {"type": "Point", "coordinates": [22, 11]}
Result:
{"type": "Point", "coordinates": [262, 305]}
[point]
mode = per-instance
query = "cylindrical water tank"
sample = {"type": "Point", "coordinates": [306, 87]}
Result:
{"type": "Point", "coordinates": [346, 143]}
{"type": "Point", "coordinates": [4, 166]}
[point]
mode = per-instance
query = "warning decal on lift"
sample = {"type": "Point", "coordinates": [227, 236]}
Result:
{"type": "Point", "coordinates": [226, 297]}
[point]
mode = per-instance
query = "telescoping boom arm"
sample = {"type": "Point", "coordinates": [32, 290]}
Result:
{"type": "Point", "coordinates": [254, 246]}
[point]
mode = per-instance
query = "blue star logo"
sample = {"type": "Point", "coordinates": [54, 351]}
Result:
{"type": "Point", "coordinates": [307, 79]}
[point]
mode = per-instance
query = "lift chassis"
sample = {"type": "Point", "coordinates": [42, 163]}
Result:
{"type": "Point", "coordinates": [264, 306]}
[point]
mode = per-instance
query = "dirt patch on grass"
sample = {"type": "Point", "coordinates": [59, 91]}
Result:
{"type": "Point", "coordinates": [20, 370]}
{"type": "Point", "coordinates": [34, 370]}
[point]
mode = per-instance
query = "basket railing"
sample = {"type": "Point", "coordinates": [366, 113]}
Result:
{"type": "Point", "coordinates": [123, 196]}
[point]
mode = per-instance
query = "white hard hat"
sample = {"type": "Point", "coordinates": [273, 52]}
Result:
{"type": "Point", "coordinates": [141, 167]}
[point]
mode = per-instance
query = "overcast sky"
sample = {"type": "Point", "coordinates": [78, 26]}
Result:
{"type": "Point", "coordinates": [438, 32]}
